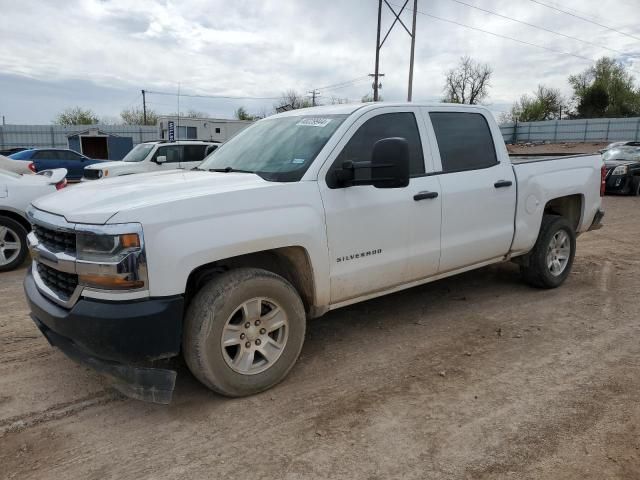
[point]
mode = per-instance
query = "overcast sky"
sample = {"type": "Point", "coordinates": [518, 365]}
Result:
{"type": "Point", "coordinates": [99, 54]}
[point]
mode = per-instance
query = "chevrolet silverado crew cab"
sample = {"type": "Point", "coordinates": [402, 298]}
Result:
{"type": "Point", "coordinates": [152, 156]}
{"type": "Point", "coordinates": [299, 214]}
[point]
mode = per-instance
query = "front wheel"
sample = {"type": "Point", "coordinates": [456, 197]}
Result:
{"type": "Point", "coordinates": [552, 256]}
{"type": "Point", "coordinates": [244, 331]}
{"type": "Point", "coordinates": [13, 244]}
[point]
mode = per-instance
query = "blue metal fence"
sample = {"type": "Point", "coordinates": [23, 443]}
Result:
{"type": "Point", "coordinates": [584, 130]}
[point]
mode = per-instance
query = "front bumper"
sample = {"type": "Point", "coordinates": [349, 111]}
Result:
{"type": "Point", "coordinates": [121, 340]}
{"type": "Point", "coordinates": [618, 184]}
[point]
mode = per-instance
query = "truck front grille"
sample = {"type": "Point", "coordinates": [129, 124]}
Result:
{"type": "Point", "coordinates": [56, 240]}
{"type": "Point", "coordinates": [63, 284]}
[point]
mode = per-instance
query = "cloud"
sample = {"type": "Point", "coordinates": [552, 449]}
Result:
{"type": "Point", "coordinates": [250, 48]}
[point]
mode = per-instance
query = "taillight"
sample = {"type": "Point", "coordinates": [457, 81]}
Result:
{"type": "Point", "coordinates": [603, 180]}
{"type": "Point", "coordinates": [32, 167]}
{"type": "Point", "coordinates": [61, 184]}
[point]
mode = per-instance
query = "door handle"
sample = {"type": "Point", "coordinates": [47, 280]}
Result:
{"type": "Point", "coordinates": [503, 183]}
{"type": "Point", "coordinates": [425, 195]}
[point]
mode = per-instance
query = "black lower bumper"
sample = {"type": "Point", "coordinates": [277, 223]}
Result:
{"type": "Point", "coordinates": [620, 184]}
{"type": "Point", "coordinates": [122, 340]}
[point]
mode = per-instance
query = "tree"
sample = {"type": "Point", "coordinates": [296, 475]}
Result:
{"type": "Point", "coordinates": [242, 114]}
{"type": "Point", "coordinates": [135, 116]}
{"type": "Point", "coordinates": [293, 100]}
{"type": "Point", "coordinates": [76, 116]}
{"type": "Point", "coordinates": [545, 104]}
{"type": "Point", "coordinates": [369, 98]}
{"type": "Point", "coordinates": [605, 89]}
{"type": "Point", "coordinates": [468, 83]}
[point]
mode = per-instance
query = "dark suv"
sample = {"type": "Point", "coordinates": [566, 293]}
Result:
{"type": "Point", "coordinates": [623, 169]}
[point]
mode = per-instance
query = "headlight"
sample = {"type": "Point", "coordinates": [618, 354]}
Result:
{"type": "Point", "coordinates": [111, 262]}
{"type": "Point", "coordinates": [620, 170]}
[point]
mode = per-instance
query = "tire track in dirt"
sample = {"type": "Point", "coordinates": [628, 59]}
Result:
{"type": "Point", "coordinates": [59, 411]}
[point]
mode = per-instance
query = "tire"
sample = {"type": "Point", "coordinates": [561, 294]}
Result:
{"type": "Point", "coordinates": [12, 234]}
{"type": "Point", "coordinates": [635, 186]}
{"type": "Point", "coordinates": [224, 307]}
{"type": "Point", "coordinates": [538, 273]}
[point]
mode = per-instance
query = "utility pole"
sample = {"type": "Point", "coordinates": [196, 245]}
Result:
{"type": "Point", "coordinates": [314, 93]}
{"type": "Point", "coordinates": [144, 108]}
{"type": "Point", "coordinates": [379, 43]}
{"type": "Point", "coordinates": [376, 71]}
{"type": "Point", "coordinates": [376, 85]}
{"type": "Point", "coordinates": [413, 48]}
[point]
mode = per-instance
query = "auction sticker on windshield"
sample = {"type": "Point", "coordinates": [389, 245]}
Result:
{"type": "Point", "coordinates": [314, 122]}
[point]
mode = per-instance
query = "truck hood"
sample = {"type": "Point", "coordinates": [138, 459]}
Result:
{"type": "Point", "coordinates": [97, 202]}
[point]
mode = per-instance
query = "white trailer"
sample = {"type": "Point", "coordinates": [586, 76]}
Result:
{"type": "Point", "coordinates": [206, 129]}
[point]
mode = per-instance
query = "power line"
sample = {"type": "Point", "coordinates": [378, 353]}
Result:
{"type": "Point", "coordinates": [536, 26]}
{"type": "Point", "coordinates": [155, 92]}
{"type": "Point", "coordinates": [341, 84]}
{"type": "Point", "coordinates": [504, 36]}
{"type": "Point", "coordinates": [585, 19]}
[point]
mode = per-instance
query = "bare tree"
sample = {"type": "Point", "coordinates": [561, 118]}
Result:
{"type": "Point", "coordinates": [468, 82]}
{"type": "Point", "coordinates": [293, 100]}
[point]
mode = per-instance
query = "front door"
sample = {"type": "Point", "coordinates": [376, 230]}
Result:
{"type": "Point", "coordinates": [380, 238]}
{"type": "Point", "coordinates": [173, 154]}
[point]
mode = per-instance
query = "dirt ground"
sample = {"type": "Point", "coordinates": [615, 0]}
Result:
{"type": "Point", "coordinates": [473, 377]}
{"type": "Point", "coordinates": [556, 148]}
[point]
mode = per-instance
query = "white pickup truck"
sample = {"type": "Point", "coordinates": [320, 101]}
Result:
{"type": "Point", "coordinates": [299, 214]}
{"type": "Point", "coordinates": [153, 156]}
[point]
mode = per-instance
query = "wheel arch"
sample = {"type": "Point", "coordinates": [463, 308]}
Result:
{"type": "Point", "coordinates": [13, 215]}
{"type": "Point", "coordinates": [570, 207]}
{"type": "Point", "coordinates": [292, 263]}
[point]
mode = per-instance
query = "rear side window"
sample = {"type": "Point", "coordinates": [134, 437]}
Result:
{"type": "Point", "coordinates": [360, 146]}
{"type": "Point", "coordinates": [48, 155]}
{"type": "Point", "coordinates": [464, 140]}
{"type": "Point", "coordinates": [193, 153]}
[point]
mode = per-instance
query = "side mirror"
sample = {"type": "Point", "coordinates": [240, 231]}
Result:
{"type": "Point", "coordinates": [161, 159]}
{"type": "Point", "coordinates": [390, 163]}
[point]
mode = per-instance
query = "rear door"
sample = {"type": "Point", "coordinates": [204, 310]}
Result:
{"type": "Point", "coordinates": [173, 153]}
{"type": "Point", "coordinates": [478, 189]}
{"type": "Point", "coordinates": [192, 156]}
{"type": "Point", "coordinates": [74, 163]}
{"type": "Point", "coordinates": [47, 159]}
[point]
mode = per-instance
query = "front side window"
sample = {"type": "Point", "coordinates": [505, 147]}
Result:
{"type": "Point", "coordinates": [278, 149]}
{"type": "Point", "coordinates": [387, 125]}
{"type": "Point", "coordinates": [172, 152]}
{"type": "Point", "coordinates": [464, 140]}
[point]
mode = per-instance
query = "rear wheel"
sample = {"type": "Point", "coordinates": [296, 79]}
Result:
{"type": "Point", "coordinates": [552, 256]}
{"type": "Point", "coordinates": [244, 331]}
{"type": "Point", "coordinates": [13, 244]}
{"type": "Point", "coordinates": [635, 186]}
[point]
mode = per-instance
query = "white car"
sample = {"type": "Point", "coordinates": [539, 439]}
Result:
{"type": "Point", "coordinates": [154, 156]}
{"type": "Point", "coordinates": [16, 193]}
{"type": "Point", "coordinates": [300, 213]}
{"type": "Point", "coordinates": [16, 166]}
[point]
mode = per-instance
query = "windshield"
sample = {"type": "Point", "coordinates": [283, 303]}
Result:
{"type": "Point", "coordinates": [139, 152]}
{"type": "Point", "coordinates": [622, 153]}
{"type": "Point", "coordinates": [277, 149]}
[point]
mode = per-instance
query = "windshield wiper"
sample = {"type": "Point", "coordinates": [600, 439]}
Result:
{"type": "Point", "coordinates": [230, 170]}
